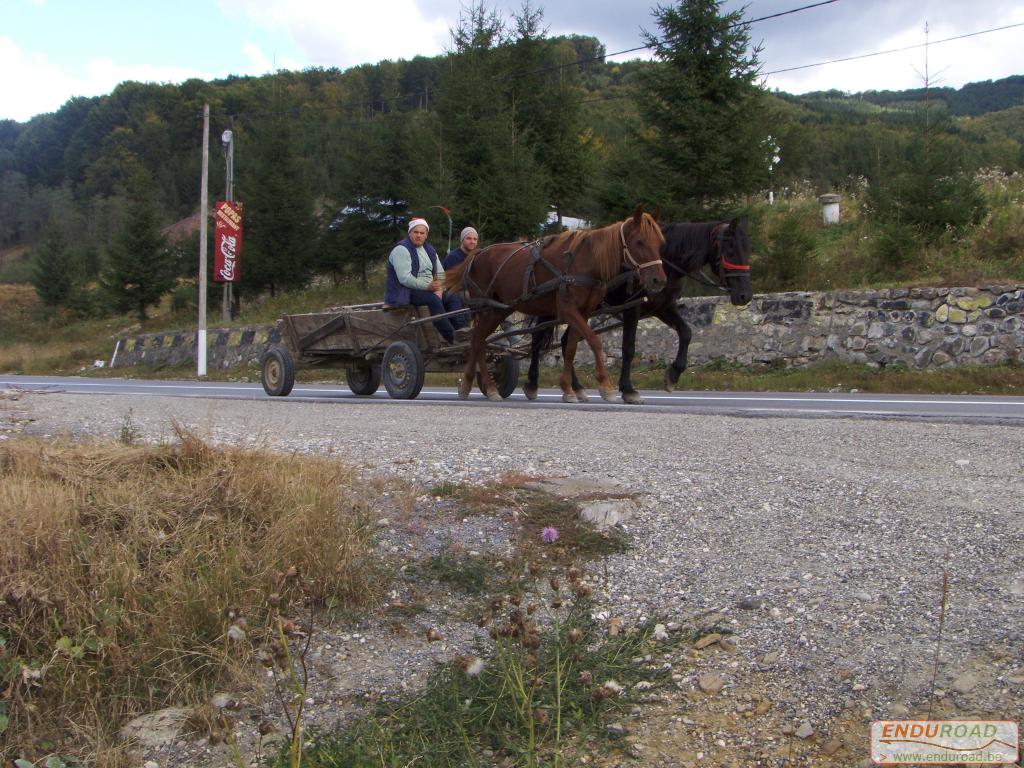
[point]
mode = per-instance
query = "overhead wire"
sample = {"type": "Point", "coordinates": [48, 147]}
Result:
{"type": "Point", "coordinates": [429, 92]}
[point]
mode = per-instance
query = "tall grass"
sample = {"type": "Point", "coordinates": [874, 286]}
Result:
{"type": "Point", "coordinates": [133, 578]}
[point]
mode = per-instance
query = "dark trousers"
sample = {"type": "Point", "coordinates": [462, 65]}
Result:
{"type": "Point", "coordinates": [445, 325]}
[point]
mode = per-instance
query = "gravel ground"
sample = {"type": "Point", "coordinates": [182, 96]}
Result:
{"type": "Point", "coordinates": [820, 544]}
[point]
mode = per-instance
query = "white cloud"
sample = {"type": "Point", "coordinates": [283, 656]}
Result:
{"type": "Point", "coordinates": [952, 63]}
{"type": "Point", "coordinates": [33, 85]}
{"type": "Point", "coordinates": [343, 34]}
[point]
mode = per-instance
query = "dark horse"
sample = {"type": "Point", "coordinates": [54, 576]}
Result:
{"type": "Point", "coordinates": [722, 246]}
{"type": "Point", "coordinates": [563, 276]}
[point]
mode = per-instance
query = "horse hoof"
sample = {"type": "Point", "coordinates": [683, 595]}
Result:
{"type": "Point", "coordinates": [569, 397]}
{"type": "Point", "coordinates": [671, 377]}
{"type": "Point", "coordinates": [493, 396]}
{"type": "Point", "coordinates": [530, 392]}
{"type": "Point", "coordinates": [608, 395]}
{"type": "Point", "coordinates": [464, 389]}
{"type": "Point", "coordinates": [632, 398]}
{"type": "Point", "coordinates": [581, 395]}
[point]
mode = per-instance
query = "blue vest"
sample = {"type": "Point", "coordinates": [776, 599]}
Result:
{"type": "Point", "coordinates": [396, 294]}
{"type": "Point", "coordinates": [455, 257]}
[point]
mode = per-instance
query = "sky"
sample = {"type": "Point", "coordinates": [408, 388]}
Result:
{"type": "Point", "coordinates": [52, 50]}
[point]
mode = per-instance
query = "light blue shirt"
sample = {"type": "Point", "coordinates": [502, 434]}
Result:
{"type": "Point", "coordinates": [402, 262]}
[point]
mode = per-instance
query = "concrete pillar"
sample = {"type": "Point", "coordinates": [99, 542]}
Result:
{"type": "Point", "coordinates": [829, 208]}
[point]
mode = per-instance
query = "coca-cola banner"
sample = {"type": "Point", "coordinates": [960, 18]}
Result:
{"type": "Point", "coordinates": [227, 242]}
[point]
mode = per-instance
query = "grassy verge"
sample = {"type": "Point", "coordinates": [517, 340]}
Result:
{"type": "Point", "coordinates": [133, 578]}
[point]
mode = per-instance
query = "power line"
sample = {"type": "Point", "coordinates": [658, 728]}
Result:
{"type": "Point", "coordinates": [553, 67]}
{"type": "Point", "coordinates": [893, 50]}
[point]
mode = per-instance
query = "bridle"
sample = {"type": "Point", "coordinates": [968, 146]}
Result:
{"type": "Point", "coordinates": [629, 256]}
{"type": "Point", "coordinates": [724, 240]}
{"type": "Point", "coordinates": [727, 268]}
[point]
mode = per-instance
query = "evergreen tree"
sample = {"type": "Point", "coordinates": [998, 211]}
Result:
{"type": "Point", "coordinates": [928, 188]}
{"type": "Point", "coordinates": [139, 270]}
{"type": "Point", "coordinates": [498, 184]}
{"type": "Point", "coordinates": [280, 235]}
{"type": "Point", "coordinates": [545, 98]}
{"type": "Point", "coordinates": [701, 100]}
{"type": "Point", "coordinates": [51, 273]}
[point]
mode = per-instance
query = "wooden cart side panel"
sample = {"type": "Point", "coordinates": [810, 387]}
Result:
{"type": "Point", "coordinates": [359, 332]}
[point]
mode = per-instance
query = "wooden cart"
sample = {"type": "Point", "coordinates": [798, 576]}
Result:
{"type": "Point", "coordinates": [375, 343]}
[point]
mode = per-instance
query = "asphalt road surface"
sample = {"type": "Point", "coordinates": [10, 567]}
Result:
{"type": "Point", "coordinates": [953, 408]}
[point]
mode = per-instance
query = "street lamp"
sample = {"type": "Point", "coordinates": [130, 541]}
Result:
{"type": "Point", "coordinates": [227, 141]}
{"type": "Point", "coordinates": [449, 215]}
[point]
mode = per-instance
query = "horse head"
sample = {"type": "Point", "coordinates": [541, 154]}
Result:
{"type": "Point", "coordinates": [733, 264]}
{"type": "Point", "coordinates": [642, 240]}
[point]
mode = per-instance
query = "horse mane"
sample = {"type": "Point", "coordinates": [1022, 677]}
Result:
{"type": "Point", "coordinates": [605, 243]}
{"type": "Point", "coordinates": [688, 244]}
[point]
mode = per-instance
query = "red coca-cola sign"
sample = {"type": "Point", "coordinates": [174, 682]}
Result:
{"type": "Point", "coordinates": [227, 237]}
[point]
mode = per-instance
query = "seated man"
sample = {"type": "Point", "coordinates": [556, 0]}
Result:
{"type": "Point", "coordinates": [415, 276]}
{"type": "Point", "coordinates": [467, 247]}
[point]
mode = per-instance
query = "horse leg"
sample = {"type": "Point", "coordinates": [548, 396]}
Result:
{"type": "Point", "coordinates": [487, 384]}
{"type": "Point", "coordinates": [570, 339]}
{"type": "Point", "coordinates": [537, 341]}
{"type": "Point", "coordinates": [671, 317]}
{"type": "Point", "coordinates": [630, 320]}
{"type": "Point", "coordinates": [582, 329]}
{"type": "Point", "coordinates": [577, 388]}
{"type": "Point", "coordinates": [481, 329]}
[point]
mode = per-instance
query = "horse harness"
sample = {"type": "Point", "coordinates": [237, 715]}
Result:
{"type": "Point", "coordinates": [562, 280]}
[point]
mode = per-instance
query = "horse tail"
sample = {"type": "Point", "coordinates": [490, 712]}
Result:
{"type": "Point", "coordinates": [455, 277]}
{"type": "Point", "coordinates": [543, 339]}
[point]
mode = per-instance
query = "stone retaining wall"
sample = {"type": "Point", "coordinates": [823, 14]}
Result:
{"type": "Point", "coordinates": [916, 327]}
{"type": "Point", "coordinates": [225, 347]}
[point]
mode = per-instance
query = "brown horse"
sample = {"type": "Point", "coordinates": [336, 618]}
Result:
{"type": "Point", "coordinates": [565, 276]}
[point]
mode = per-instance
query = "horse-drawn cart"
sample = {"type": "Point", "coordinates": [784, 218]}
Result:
{"type": "Point", "coordinates": [374, 343]}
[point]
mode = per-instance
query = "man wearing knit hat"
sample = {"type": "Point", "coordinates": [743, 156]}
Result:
{"type": "Point", "coordinates": [468, 241]}
{"type": "Point", "coordinates": [415, 276]}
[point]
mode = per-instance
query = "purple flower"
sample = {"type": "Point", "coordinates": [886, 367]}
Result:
{"type": "Point", "coordinates": [549, 535]}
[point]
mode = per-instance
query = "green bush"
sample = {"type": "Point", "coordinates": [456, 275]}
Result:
{"type": "Point", "coordinates": [893, 246]}
{"type": "Point", "coordinates": [788, 254]}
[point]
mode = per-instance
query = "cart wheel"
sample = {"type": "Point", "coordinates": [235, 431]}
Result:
{"type": "Point", "coordinates": [505, 373]}
{"type": "Point", "coordinates": [278, 374]}
{"type": "Point", "coordinates": [403, 370]}
{"type": "Point", "coordinates": [363, 379]}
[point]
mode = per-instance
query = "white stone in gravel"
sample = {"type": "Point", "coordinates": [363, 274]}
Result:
{"type": "Point", "coordinates": [711, 682]}
{"type": "Point", "coordinates": [805, 731]}
{"type": "Point", "coordinates": [965, 683]}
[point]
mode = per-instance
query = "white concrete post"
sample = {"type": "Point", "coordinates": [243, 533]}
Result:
{"type": "Point", "coordinates": [829, 208]}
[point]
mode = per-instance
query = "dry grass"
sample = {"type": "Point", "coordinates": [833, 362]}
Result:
{"type": "Point", "coordinates": [122, 569]}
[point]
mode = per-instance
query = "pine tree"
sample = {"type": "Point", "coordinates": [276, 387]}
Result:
{"type": "Point", "coordinates": [701, 100]}
{"type": "Point", "coordinates": [280, 235]}
{"type": "Point", "coordinates": [51, 268]}
{"type": "Point", "coordinates": [139, 270]}
{"type": "Point", "coordinates": [498, 184]}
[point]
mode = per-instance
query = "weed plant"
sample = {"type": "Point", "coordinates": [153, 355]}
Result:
{"type": "Point", "coordinates": [134, 578]}
{"type": "Point", "coordinates": [536, 697]}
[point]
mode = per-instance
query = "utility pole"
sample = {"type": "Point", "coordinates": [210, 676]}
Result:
{"type": "Point", "coordinates": [204, 205]}
{"type": "Point", "coordinates": [228, 140]}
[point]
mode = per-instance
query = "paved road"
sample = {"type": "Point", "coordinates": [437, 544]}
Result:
{"type": "Point", "coordinates": [956, 408]}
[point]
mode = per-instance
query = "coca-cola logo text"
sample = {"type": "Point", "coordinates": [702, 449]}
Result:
{"type": "Point", "coordinates": [227, 250]}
